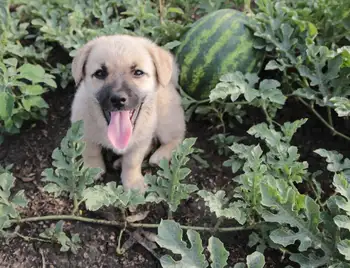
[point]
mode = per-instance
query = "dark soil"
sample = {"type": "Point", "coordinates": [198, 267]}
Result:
{"type": "Point", "coordinates": [30, 152]}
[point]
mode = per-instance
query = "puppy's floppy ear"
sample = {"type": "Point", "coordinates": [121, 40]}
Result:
{"type": "Point", "coordinates": [164, 63]}
{"type": "Point", "coordinates": [79, 62]}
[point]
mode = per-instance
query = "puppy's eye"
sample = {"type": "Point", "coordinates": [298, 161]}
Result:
{"type": "Point", "coordinates": [101, 74]}
{"type": "Point", "coordinates": [138, 73]}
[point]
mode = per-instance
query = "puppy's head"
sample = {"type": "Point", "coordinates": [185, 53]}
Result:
{"type": "Point", "coordinates": [121, 71]}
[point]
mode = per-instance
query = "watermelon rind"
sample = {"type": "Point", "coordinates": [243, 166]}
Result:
{"type": "Point", "coordinates": [218, 43]}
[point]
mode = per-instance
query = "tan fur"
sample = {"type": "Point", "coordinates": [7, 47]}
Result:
{"type": "Point", "coordinates": [161, 115]}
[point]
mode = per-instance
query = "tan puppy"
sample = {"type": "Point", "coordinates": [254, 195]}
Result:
{"type": "Point", "coordinates": [127, 96]}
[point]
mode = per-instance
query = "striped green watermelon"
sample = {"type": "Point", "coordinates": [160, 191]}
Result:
{"type": "Point", "coordinates": [218, 43]}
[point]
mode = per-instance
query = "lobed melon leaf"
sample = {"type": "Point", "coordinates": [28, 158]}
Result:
{"type": "Point", "coordinates": [220, 205]}
{"type": "Point", "coordinates": [170, 236]}
{"type": "Point", "coordinates": [168, 185]}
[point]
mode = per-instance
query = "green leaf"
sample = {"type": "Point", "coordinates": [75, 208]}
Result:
{"type": "Point", "coordinates": [60, 160]}
{"type": "Point", "coordinates": [7, 102]}
{"type": "Point", "coordinates": [336, 161]}
{"type": "Point", "coordinates": [53, 188]}
{"type": "Point", "coordinates": [320, 57]}
{"type": "Point", "coordinates": [250, 94]}
{"type": "Point", "coordinates": [32, 90]}
{"type": "Point", "coordinates": [342, 221]}
{"type": "Point", "coordinates": [171, 45]}
{"type": "Point", "coordinates": [59, 226]}
{"type": "Point", "coordinates": [287, 31]}
{"type": "Point", "coordinates": [20, 199]}
{"type": "Point", "coordinates": [235, 164]}
{"type": "Point", "coordinates": [76, 238]}
{"type": "Point", "coordinates": [97, 197]}
{"type": "Point", "coordinates": [258, 241]}
{"type": "Point", "coordinates": [274, 64]}
{"type": "Point", "coordinates": [11, 61]}
{"type": "Point", "coordinates": [342, 187]}
{"type": "Point", "coordinates": [75, 243]}
{"type": "Point", "coordinates": [307, 93]}
{"type": "Point", "coordinates": [56, 234]}
{"type": "Point", "coordinates": [262, 131]}
{"type": "Point", "coordinates": [268, 89]}
{"type": "Point", "coordinates": [256, 260]}
{"type": "Point", "coordinates": [286, 237]}
{"type": "Point", "coordinates": [175, 10]}
{"type": "Point", "coordinates": [110, 194]}
{"type": "Point", "coordinates": [233, 85]}
{"type": "Point", "coordinates": [310, 260]}
{"type": "Point", "coordinates": [34, 101]}
{"type": "Point", "coordinates": [70, 175]}
{"type": "Point", "coordinates": [219, 204]}
{"type": "Point", "coordinates": [63, 239]}
{"type": "Point", "coordinates": [345, 53]}
{"type": "Point", "coordinates": [8, 204]}
{"type": "Point", "coordinates": [342, 106]}
{"type": "Point", "coordinates": [4, 13]}
{"type": "Point", "coordinates": [3, 220]}
{"type": "Point", "coordinates": [284, 205]}
{"type": "Point", "coordinates": [36, 74]}
{"type": "Point", "coordinates": [170, 237]}
{"type": "Point", "coordinates": [218, 253]}
{"type": "Point", "coordinates": [344, 248]}
{"type": "Point", "coordinates": [7, 181]}
{"type": "Point", "coordinates": [168, 185]}
{"type": "Point", "coordinates": [289, 129]}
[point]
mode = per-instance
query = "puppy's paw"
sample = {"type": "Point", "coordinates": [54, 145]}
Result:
{"type": "Point", "coordinates": [135, 184]}
{"type": "Point", "coordinates": [95, 162]}
{"type": "Point", "coordinates": [157, 157]}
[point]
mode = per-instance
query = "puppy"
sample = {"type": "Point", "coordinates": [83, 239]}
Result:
{"type": "Point", "coordinates": [126, 96]}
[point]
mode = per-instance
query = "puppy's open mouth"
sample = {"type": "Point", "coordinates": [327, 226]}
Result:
{"type": "Point", "coordinates": [120, 126]}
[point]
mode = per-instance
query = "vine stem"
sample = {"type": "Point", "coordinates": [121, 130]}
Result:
{"type": "Point", "coordinates": [132, 225]}
{"type": "Point", "coordinates": [247, 4]}
{"type": "Point", "coordinates": [29, 238]}
{"type": "Point", "coordinates": [161, 10]}
{"type": "Point", "coordinates": [335, 132]}
{"type": "Point", "coordinates": [75, 205]}
{"type": "Point", "coordinates": [318, 200]}
{"type": "Point", "coordinates": [330, 120]}
{"type": "Point", "coordinates": [221, 118]}
{"type": "Point", "coordinates": [119, 250]}
{"type": "Point", "coordinates": [170, 215]}
{"type": "Point", "coordinates": [217, 225]}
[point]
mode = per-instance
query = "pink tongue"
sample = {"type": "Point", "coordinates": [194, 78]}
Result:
{"type": "Point", "coordinates": [120, 129]}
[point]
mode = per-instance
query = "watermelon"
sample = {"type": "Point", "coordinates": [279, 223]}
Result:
{"type": "Point", "coordinates": [218, 43]}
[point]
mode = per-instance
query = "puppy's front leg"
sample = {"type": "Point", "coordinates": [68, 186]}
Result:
{"type": "Point", "coordinates": [131, 175]}
{"type": "Point", "coordinates": [92, 157]}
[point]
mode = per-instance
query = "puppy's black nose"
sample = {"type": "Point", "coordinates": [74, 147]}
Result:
{"type": "Point", "coordinates": [119, 100]}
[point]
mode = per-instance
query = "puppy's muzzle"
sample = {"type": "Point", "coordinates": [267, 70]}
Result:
{"type": "Point", "coordinates": [119, 100]}
{"type": "Point", "coordinates": [118, 96]}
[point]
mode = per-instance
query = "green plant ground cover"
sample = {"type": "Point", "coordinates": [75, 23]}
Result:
{"type": "Point", "coordinates": [277, 184]}
{"type": "Point", "coordinates": [31, 154]}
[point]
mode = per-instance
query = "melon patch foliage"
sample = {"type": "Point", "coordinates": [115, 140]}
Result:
{"type": "Point", "coordinates": [277, 197]}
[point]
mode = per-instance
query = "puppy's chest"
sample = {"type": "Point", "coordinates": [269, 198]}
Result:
{"type": "Point", "coordinates": [110, 156]}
